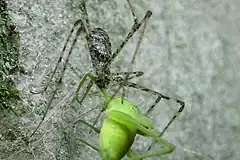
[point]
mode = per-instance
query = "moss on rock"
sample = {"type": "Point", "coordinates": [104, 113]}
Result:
{"type": "Point", "coordinates": [9, 60]}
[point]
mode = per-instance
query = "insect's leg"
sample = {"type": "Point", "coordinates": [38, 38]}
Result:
{"type": "Point", "coordinates": [93, 128]}
{"type": "Point", "coordinates": [106, 97]}
{"type": "Point", "coordinates": [87, 124]}
{"type": "Point", "coordinates": [132, 155]}
{"type": "Point", "coordinates": [88, 144]}
{"type": "Point", "coordinates": [169, 147]}
{"type": "Point", "coordinates": [76, 24]}
{"type": "Point", "coordinates": [126, 119]}
{"type": "Point", "coordinates": [89, 86]}
{"type": "Point", "coordinates": [60, 78]}
{"type": "Point", "coordinates": [92, 79]}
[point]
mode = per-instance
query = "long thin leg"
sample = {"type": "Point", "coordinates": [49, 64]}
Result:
{"type": "Point", "coordinates": [134, 55]}
{"type": "Point", "coordinates": [93, 128]}
{"type": "Point", "coordinates": [117, 78]}
{"type": "Point", "coordinates": [170, 147]}
{"type": "Point", "coordinates": [135, 73]}
{"type": "Point", "coordinates": [60, 58]}
{"type": "Point", "coordinates": [160, 96]}
{"type": "Point", "coordinates": [88, 144]}
{"type": "Point", "coordinates": [132, 155]}
{"type": "Point", "coordinates": [86, 27]}
{"type": "Point", "coordinates": [92, 78]}
{"type": "Point", "coordinates": [135, 27]}
{"type": "Point", "coordinates": [60, 78]}
{"type": "Point", "coordinates": [133, 12]}
{"type": "Point", "coordinates": [89, 86]}
{"type": "Point", "coordinates": [144, 22]}
{"type": "Point", "coordinates": [85, 14]}
{"type": "Point", "coordinates": [87, 124]}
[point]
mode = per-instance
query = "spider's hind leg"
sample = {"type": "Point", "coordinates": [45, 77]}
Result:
{"type": "Point", "coordinates": [57, 87]}
{"type": "Point", "coordinates": [159, 97]}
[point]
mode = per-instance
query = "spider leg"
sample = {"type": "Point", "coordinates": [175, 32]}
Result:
{"type": "Point", "coordinates": [159, 97]}
{"type": "Point", "coordinates": [85, 16]}
{"type": "Point", "coordinates": [135, 27]}
{"type": "Point", "coordinates": [134, 74]}
{"type": "Point", "coordinates": [76, 24]}
{"type": "Point", "coordinates": [133, 12]}
{"type": "Point", "coordinates": [85, 24]}
{"type": "Point", "coordinates": [144, 22]}
{"type": "Point", "coordinates": [80, 29]}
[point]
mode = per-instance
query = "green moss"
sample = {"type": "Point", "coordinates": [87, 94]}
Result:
{"type": "Point", "coordinates": [9, 60]}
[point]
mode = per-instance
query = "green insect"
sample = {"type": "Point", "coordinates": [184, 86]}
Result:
{"type": "Point", "coordinates": [122, 122]}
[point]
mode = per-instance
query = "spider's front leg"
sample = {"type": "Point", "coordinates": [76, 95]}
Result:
{"type": "Point", "coordinates": [75, 26]}
{"type": "Point", "coordinates": [79, 30]}
{"type": "Point", "coordinates": [134, 29]}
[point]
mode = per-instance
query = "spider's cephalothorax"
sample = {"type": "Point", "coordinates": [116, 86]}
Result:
{"type": "Point", "coordinates": [102, 80]}
{"type": "Point", "coordinates": [100, 51]}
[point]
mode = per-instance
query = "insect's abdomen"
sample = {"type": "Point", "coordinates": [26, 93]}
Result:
{"type": "Point", "coordinates": [115, 140]}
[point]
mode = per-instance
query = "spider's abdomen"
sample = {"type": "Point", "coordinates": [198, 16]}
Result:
{"type": "Point", "coordinates": [99, 47]}
{"type": "Point", "coordinates": [115, 140]}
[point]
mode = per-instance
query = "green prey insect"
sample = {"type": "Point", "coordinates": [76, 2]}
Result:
{"type": "Point", "coordinates": [122, 122]}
